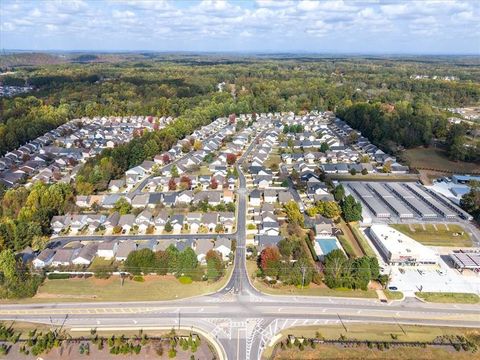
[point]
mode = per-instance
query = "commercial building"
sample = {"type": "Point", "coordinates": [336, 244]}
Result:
{"type": "Point", "coordinates": [399, 249]}
{"type": "Point", "coordinates": [463, 260]}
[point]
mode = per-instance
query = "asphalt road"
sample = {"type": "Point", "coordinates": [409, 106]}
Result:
{"type": "Point", "coordinates": [239, 318]}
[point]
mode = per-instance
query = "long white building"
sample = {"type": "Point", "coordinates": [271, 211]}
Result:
{"type": "Point", "coordinates": [399, 249]}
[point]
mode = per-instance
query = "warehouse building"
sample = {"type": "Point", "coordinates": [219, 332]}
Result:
{"type": "Point", "coordinates": [392, 202]}
{"type": "Point", "coordinates": [433, 203]}
{"type": "Point", "coordinates": [413, 202]}
{"type": "Point", "coordinates": [372, 202]}
{"type": "Point", "coordinates": [399, 249]}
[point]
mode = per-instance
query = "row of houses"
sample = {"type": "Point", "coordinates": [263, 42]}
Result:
{"type": "Point", "coordinates": [55, 154]}
{"type": "Point", "coordinates": [83, 254]}
{"type": "Point", "coordinates": [191, 222]}
{"type": "Point", "coordinates": [153, 199]}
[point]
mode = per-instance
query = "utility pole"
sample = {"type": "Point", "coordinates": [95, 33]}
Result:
{"type": "Point", "coordinates": [303, 275]}
{"type": "Point", "coordinates": [179, 318]}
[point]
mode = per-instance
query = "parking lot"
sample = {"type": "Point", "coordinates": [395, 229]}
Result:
{"type": "Point", "coordinates": [440, 278]}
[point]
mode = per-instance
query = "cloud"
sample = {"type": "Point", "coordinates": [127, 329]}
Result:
{"type": "Point", "coordinates": [210, 24]}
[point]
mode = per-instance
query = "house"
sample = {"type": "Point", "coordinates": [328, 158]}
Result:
{"type": "Point", "coordinates": [124, 249]}
{"type": "Point", "coordinates": [255, 198]}
{"type": "Point", "coordinates": [270, 196]}
{"type": "Point", "coordinates": [284, 197]}
{"type": "Point", "coordinates": [107, 249]}
{"type": "Point", "coordinates": [58, 223]}
{"type": "Point", "coordinates": [177, 223]}
{"type": "Point", "coordinates": [126, 222]}
{"type": "Point", "coordinates": [144, 220]}
{"type": "Point", "coordinates": [228, 196]}
{"type": "Point", "coordinates": [201, 247]}
{"type": "Point", "coordinates": [269, 228]}
{"type": "Point", "coordinates": [224, 247]}
{"type": "Point", "coordinates": [185, 197]}
{"type": "Point", "coordinates": [140, 200]}
{"type": "Point", "coordinates": [116, 185]}
{"type": "Point", "coordinates": [85, 255]}
{"type": "Point", "coordinates": [194, 220]}
{"type": "Point", "coordinates": [263, 241]}
{"type": "Point", "coordinates": [160, 220]}
{"type": "Point", "coordinates": [210, 221]}
{"type": "Point", "coordinates": [112, 221]}
{"type": "Point", "coordinates": [43, 259]}
{"type": "Point", "coordinates": [63, 257]}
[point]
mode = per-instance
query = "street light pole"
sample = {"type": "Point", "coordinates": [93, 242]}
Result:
{"type": "Point", "coordinates": [303, 275]}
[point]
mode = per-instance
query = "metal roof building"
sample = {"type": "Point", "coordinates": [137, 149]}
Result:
{"type": "Point", "coordinates": [426, 197]}
{"type": "Point", "coordinates": [392, 202]}
{"type": "Point", "coordinates": [413, 202]}
{"type": "Point", "coordinates": [371, 201]}
{"type": "Point", "coordinates": [466, 260]}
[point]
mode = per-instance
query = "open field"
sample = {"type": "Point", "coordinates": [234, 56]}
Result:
{"type": "Point", "coordinates": [436, 159]}
{"type": "Point", "coordinates": [436, 234]}
{"type": "Point", "coordinates": [311, 290]}
{"type": "Point", "coordinates": [92, 289]}
{"type": "Point", "coordinates": [377, 332]}
{"type": "Point", "coordinates": [336, 352]}
{"type": "Point", "coordinates": [437, 297]}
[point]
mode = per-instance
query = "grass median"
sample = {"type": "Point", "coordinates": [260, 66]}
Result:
{"type": "Point", "coordinates": [446, 297]}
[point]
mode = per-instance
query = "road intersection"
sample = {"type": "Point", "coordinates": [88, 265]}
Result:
{"type": "Point", "coordinates": [238, 318]}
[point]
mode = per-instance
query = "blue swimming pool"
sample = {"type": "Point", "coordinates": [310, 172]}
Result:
{"type": "Point", "coordinates": [327, 245]}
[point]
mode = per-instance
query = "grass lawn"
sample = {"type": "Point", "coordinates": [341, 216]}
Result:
{"type": "Point", "coordinates": [376, 332]}
{"type": "Point", "coordinates": [311, 290]}
{"type": "Point", "coordinates": [92, 289]}
{"type": "Point", "coordinates": [367, 250]}
{"type": "Point", "coordinates": [431, 158]}
{"type": "Point", "coordinates": [393, 295]}
{"type": "Point", "coordinates": [440, 236]}
{"type": "Point", "coordinates": [438, 297]}
{"type": "Point", "coordinates": [100, 264]}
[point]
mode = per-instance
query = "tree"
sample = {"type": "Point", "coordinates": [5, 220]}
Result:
{"type": "Point", "coordinates": [364, 171]}
{"type": "Point", "coordinates": [387, 167]}
{"type": "Point", "coordinates": [140, 261]}
{"type": "Point", "coordinates": [339, 192]}
{"type": "Point", "coordinates": [231, 159]}
{"type": "Point", "coordinates": [353, 171]}
{"type": "Point", "coordinates": [294, 215]}
{"type": "Point", "coordinates": [470, 202]}
{"type": "Point", "coordinates": [8, 265]}
{"type": "Point", "coordinates": [352, 210]}
{"type": "Point", "coordinates": [172, 184]}
{"type": "Point", "coordinates": [330, 209]}
{"type": "Point", "coordinates": [186, 147]}
{"type": "Point", "coordinates": [270, 260]}
{"type": "Point", "coordinates": [174, 171]}
{"type": "Point", "coordinates": [214, 264]}
{"type": "Point", "coordinates": [168, 227]}
{"type": "Point", "coordinates": [213, 183]}
{"type": "Point", "coordinates": [324, 147]}
{"type": "Point", "coordinates": [122, 206]}
{"type": "Point", "coordinates": [219, 228]}
{"type": "Point", "coordinates": [165, 158]}
{"type": "Point", "coordinates": [197, 145]}
{"type": "Point", "coordinates": [185, 183]}
{"type": "Point", "coordinates": [187, 261]}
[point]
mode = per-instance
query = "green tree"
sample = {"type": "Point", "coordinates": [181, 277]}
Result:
{"type": "Point", "coordinates": [339, 192]}
{"type": "Point", "coordinates": [352, 210]}
{"type": "Point", "coordinates": [122, 206]}
{"type": "Point", "coordinates": [294, 215]}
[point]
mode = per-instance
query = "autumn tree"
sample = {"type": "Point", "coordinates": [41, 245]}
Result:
{"type": "Point", "coordinates": [270, 261]}
{"type": "Point", "coordinates": [172, 184]}
{"type": "Point", "coordinates": [185, 182]}
{"type": "Point", "coordinates": [231, 159]}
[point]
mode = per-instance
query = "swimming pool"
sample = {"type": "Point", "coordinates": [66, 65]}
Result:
{"type": "Point", "coordinates": [327, 245]}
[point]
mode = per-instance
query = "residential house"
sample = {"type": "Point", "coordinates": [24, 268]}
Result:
{"type": "Point", "coordinates": [43, 259]}
{"type": "Point", "coordinates": [107, 249]}
{"type": "Point", "coordinates": [86, 255]}
{"type": "Point", "coordinates": [124, 249]}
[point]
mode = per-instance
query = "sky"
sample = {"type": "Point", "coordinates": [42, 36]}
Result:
{"type": "Point", "coordinates": [324, 26]}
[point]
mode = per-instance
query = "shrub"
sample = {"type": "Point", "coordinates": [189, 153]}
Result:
{"type": "Point", "coordinates": [57, 276]}
{"type": "Point", "coordinates": [185, 280]}
{"type": "Point", "coordinates": [138, 278]}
